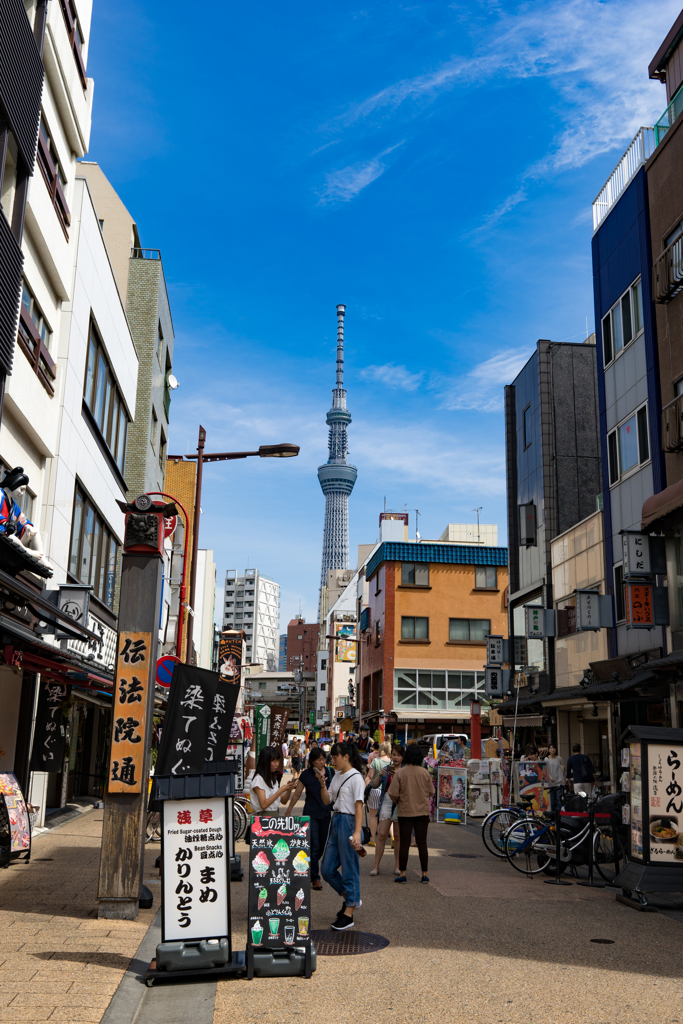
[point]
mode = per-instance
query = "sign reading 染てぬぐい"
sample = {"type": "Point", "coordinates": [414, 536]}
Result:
{"type": "Point", "coordinates": [279, 882]}
{"type": "Point", "coordinates": [665, 802]}
{"type": "Point", "coordinates": [196, 857]}
{"type": "Point", "coordinates": [49, 737]}
{"type": "Point", "coordinates": [133, 668]}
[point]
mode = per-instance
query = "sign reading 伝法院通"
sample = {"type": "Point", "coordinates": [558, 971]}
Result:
{"type": "Point", "coordinates": [127, 761]}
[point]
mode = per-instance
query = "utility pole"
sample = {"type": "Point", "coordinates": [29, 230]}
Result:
{"type": "Point", "coordinates": [478, 510]}
{"type": "Point", "coordinates": [195, 541]}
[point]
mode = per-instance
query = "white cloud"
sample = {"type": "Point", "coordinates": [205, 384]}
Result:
{"type": "Point", "coordinates": [343, 185]}
{"type": "Point", "coordinates": [392, 376]}
{"type": "Point", "coordinates": [482, 387]}
{"type": "Point", "coordinates": [594, 54]}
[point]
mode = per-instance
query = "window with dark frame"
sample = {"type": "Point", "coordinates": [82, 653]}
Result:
{"type": "Point", "coordinates": [469, 630]}
{"type": "Point", "coordinates": [486, 577]}
{"type": "Point", "coordinates": [34, 337]}
{"type": "Point", "coordinates": [154, 430]}
{"type": "Point", "coordinates": [527, 426]}
{"type": "Point", "coordinates": [48, 161]}
{"type": "Point", "coordinates": [94, 550]}
{"type": "Point", "coordinates": [103, 398]}
{"type": "Point", "coordinates": [623, 323]}
{"type": "Point", "coordinates": [414, 574]}
{"type": "Point", "coordinates": [628, 445]}
{"type": "Point", "coordinates": [414, 627]}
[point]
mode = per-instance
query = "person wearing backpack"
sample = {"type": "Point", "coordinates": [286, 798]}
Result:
{"type": "Point", "coordinates": [340, 867]}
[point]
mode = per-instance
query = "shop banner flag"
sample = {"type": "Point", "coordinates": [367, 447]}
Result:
{"type": "Point", "coordinates": [278, 723]}
{"type": "Point", "coordinates": [230, 656]}
{"type": "Point", "coordinates": [261, 727]}
{"type": "Point", "coordinates": [50, 735]}
{"type": "Point", "coordinates": [198, 721]}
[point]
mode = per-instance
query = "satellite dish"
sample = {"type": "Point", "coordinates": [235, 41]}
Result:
{"type": "Point", "coordinates": [172, 382]}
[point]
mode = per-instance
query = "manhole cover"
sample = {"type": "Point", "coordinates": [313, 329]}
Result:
{"type": "Point", "coordinates": [329, 943]}
{"type": "Point", "coordinates": [466, 856]}
{"type": "Point", "coordinates": [604, 942]}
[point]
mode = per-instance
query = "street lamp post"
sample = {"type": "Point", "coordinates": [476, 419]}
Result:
{"type": "Point", "coordinates": [265, 451]}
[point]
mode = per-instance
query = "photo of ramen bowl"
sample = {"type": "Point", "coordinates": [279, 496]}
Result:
{"type": "Point", "coordinates": [664, 830]}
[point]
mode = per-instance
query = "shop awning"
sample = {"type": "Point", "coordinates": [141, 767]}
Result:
{"type": "Point", "coordinates": [432, 716]}
{"type": "Point", "coordinates": [659, 505]}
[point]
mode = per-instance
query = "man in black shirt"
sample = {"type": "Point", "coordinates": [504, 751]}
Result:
{"type": "Point", "coordinates": [580, 771]}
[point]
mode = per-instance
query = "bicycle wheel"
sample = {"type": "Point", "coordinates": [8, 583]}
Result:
{"type": "Point", "coordinates": [603, 853]}
{"type": "Point", "coordinates": [153, 826]}
{"type": "Point", "coordinates": [528, 845]}
{"type": "Point", "coordinates": [494, 828]}
{"type": "Point", "coordinates": [240, 820]}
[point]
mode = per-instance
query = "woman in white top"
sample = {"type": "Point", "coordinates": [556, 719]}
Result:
{"type": "Point", "coordinates": [346, 794]}
{"type": "Point", "coordinates": [266, 790]}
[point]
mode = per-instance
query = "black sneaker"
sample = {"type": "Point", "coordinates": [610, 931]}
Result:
{"type": "Point", "coordinates": [342, 923]}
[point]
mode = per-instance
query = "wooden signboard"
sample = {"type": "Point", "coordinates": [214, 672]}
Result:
{"type": "Point", "coordinates": [134, 675]}
{"type": "Point", "coordinates": [279, 883]}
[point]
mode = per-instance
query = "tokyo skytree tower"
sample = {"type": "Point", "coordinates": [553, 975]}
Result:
{"type": "Point", "coordinates": [337, 477]}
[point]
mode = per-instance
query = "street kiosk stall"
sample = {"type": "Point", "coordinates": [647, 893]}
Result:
{"type": "Point", "coordinates": [653, 766]}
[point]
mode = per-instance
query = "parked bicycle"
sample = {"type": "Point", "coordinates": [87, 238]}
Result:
{"type": "Point", "coordinates": [496, 824]}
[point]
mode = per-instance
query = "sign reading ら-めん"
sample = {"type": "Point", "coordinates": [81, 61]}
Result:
{"type": "Point", "coordinates": [279, 882]}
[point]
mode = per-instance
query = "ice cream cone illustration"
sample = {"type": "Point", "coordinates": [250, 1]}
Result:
{"type": "Point", "coordinates": [298, 899]}
{"type": "Point", "coordinates": [262, 897]}
{"type": "Point", "coordinates": [281, 894]}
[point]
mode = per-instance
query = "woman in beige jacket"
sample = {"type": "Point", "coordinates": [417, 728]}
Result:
{"type": "Point", "coordinates": [411, 790]}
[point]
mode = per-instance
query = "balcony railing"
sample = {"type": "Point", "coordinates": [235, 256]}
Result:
{"type": "Point", "coordinates": [667, 119]}
{"type": "Point", "coordinates": [667, 272]}
{"type": "Point", "coordinates": [145, 254]}
{"type": "Point", "coordinates": [640, 150]}
{"type": "Point", "coordinates": [672, 425]}
{"type": "Point", "coordinates": [33, 347]}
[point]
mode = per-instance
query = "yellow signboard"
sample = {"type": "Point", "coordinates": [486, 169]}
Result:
{"type": "Point", "coordinates": [130, 707]}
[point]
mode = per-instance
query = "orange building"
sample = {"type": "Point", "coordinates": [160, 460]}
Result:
{"type": "Point", "coordinates": [423, 649]}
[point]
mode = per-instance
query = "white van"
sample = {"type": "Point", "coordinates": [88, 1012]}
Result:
{"type": "Point", "coordinates": [440, 738]}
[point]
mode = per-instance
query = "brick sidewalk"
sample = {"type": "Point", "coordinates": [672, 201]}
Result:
{"type": "Point", "coordinates": [57, 961]}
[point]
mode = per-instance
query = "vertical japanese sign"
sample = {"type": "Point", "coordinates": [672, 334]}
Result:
{"type": "Point", "coordinates": [665, 802]}
{"type": "Point", "coordinates": [279, 882]}
{"type": "Point", "coordinates": [230, 656]}
{"type": "Point", "coordinates": [494, 650]}
{"type": "Point", "coordinates": [588, 610]}
{"type": "Point", "coordinates": [50, 735]}
{"type": "Point", "coordinates": [278, 723]}
{"type": "Point", "coordinates": [636, 797]}
{"type": "Point", "coordinates": [639, 610]}
{"type": "Point", "coordinates": [196, 887]}
{"type": "Point", "coordinates": [198, 721]}
{"type": "Point", "coordinates": [345, 650]}
{"type": "Point", "coordinates": [636, 549]}
{"type": "Point", "coordinates": [261, 727]}
{"type": "Point", "coordinates": [127, 763]}
{"type": "Point", "coordinates": [534, 623]}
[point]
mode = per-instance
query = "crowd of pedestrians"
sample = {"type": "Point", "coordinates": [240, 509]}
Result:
{"type": "Point", "coordinates": [338, 782]}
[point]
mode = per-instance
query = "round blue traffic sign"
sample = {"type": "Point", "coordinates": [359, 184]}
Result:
{"type": "Point", "coordinates": [165, 666]}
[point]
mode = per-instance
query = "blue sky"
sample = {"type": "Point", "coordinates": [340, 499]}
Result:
{"type": "Point", "coordinates": [431, 165]}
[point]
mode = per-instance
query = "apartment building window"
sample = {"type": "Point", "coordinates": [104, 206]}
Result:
{"type": "Point", "coordinates": [418, 688]}
{"type": "Point", "coordinates": [414, 627]}
{"type": "Point", "coordinates": [619, 605]}
{"type": "Point", "coordinates": [628, 446]}
{"type": "Point", "coordinates": [414, 574]}
{"type": "Point", "coordinates": [154, 430]}
{"type": "Point", "coordinates": [468, 630]}
{"type": "Point", "coordinates": [160, 343]}
{"type": "Point", "coordinates": [94, 550]}
{"type": "Point", "coordinates": [53, 174]}
{"type": "Point", "coordinates": [103, 398]}
{"type": "Point", "coordinates": [527, 426]}
{"type": "Point", "coordinates": [162, 451]}
{"type": "Point", "coordinates": [486, 577]}
{"type": "Point", "coordinates": [239, 604]}
{"type": "Point", "coordinates": [76, 37]}
{"type": "Point", "coordinates": [623, 323]}
{"type": "Point", "coordinates": [34, 338]}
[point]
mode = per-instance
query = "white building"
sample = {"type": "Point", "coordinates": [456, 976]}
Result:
{"type": "Point", "coordinates": [204, 608]}
{"type": "Point", "coordinates": [252, 603]}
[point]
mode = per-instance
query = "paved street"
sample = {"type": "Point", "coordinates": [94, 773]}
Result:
{"type": "Point", "coordinates": [480, 944]}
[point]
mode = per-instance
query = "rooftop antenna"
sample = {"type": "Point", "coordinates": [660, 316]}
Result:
{"type": "Point", "coordinates": [417, 512]}
{"type": "Point", "coordinates": [478, 510]}
{"type": "Point", "coordinates": [385, 504]}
